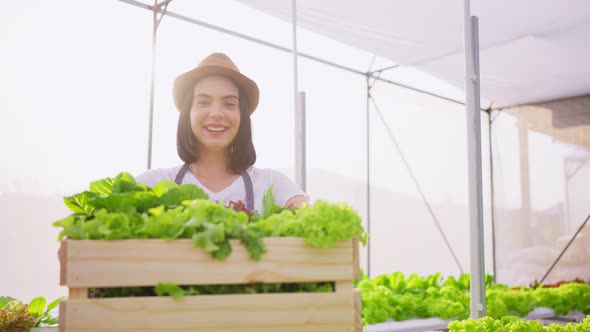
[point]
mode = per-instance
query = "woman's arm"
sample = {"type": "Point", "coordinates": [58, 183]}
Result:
{"type": "Point", "coordinates": [297, 201]}
{"type": "Point", "coordinates": [287, 193]}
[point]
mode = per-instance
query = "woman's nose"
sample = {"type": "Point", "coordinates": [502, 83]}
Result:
{"type": "Point", "coordinates": [216, 111]}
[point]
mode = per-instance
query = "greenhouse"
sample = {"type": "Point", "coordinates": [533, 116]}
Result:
{"type": "Point", "coordinates": [439, 152]}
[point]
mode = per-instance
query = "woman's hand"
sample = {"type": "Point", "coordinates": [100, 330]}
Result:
{"type": "Point", "coordinates": [297, 201]}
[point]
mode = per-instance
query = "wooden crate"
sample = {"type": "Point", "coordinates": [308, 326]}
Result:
{"type": "Point", "coordinates": [126, 263]}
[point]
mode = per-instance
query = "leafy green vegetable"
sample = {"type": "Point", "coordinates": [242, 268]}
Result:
{"type": "Point", "coordinates": [15, 316]}
{"type": "Point", "coordinates": [4, 300]}
{"type": "Point", "coordinates": [79, 203]}
{"type": "Point", "coordinates": [268, 203]}
{"type": "Point", "coordinates": [324, 224]}
{"type": "Point", "coordinates": [37, 305]}
{"type": "Point", "coordinates": [565, 298]}
{"type": "Point", "coordinates": [514, 324]}
{"type": "Point", "coordinates": [168, 288]}
{"type": "Point", "coordinates": [41, 313]}
{"type": "Point", "coordinates": [125, 183]}
{"type": "Point", "coordinates": [102, 187]}
{"type": "Point", "coordinates": [396, 297]}
{"type": "Point", "coordinates": [120, 208]}
{"type": "Point", "coordinates": [321, 224]}
{"type": "Point", "coordinates": [177, 292]}
{"type": "Point", "coordinates": [177, 194]}
{"type": "Point", "coordinates": [124, 194]}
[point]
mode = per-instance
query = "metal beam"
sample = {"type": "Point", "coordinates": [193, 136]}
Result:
{"type": "Point", "coordinates": [383, 69]}
{"type": "Point", "coordinates": [381, 79]}
{"type": "Point", "coordinates": [288, 50]}
{"type": "Point", "coordinates": [565, 249]}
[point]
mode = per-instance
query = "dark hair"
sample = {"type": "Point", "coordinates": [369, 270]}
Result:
{"type": "Point", "coordinates": [243, 155]}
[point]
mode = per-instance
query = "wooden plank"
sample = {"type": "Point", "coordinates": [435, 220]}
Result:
{"type": "Point", "coordinates": [358, 311]}
{"type": "Point", "coordinates": [61, 327]}
{"type": "Point", "coordinates": [78, 293]}
{"type": "Point", "coordinates": [295, 312]}
{"type": "Point", "coordinates": [62, 254]}
{"type": "Point", "coordinates": [124, 263]}
{"type": "Point", "coordinates": [356, 258]}
{"type": "Point", "coordinates": [343, 286]}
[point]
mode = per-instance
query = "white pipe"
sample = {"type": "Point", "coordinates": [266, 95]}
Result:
{"type": "Point", "coordinates": [152, 85]}
{"type": "Point", "coordinates": [294, 26]}
{"type": "Point", "coordinates": [300, 142]}
{"type": "Point", "coordinates": [300, 162]}
{"type": "Point", "coordinates": [472, 81]}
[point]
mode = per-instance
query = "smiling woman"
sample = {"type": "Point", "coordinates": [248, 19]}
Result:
{"type": "Point", "coordinates": [215, 112]}
{"type": "Point", "coordinates": [214, 138]}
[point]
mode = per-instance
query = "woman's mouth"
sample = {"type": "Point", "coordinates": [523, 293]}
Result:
{"type": "Point", "coordinates": [216, 129]}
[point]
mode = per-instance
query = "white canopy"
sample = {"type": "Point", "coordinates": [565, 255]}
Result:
{"type": "Point", "coordinates": [530, 50]}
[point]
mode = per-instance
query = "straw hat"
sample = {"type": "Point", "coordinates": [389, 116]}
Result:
{"type": "Point", "coordinates": [215, 64]}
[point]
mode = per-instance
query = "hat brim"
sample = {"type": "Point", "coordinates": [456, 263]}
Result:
{"type": "Point", "coordinates": [187, 81]}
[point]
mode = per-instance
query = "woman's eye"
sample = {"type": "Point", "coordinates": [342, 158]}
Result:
{"type": "Point", "coordinates": [230, 105]}
{"type": "Point", "coordinates": [202, 103]}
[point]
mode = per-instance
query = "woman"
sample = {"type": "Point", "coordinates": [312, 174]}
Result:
{"type": "Point", "coordinates": [214, 138]}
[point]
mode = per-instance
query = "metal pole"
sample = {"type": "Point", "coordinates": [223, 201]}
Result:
{"type": "Point", "coordinates": [490, 122]}
{"type": "Point", "coordinates": [294, 30]}
{"type": "Point", "coordinates": [525, 181]}
{"type": "Point", "coordinates": [368, 178]}
{"type": "Point", "coordinates": [300, 141]}
{"type": "Point", "coordinates": [157, 8]}
{"type": "Point", "coordinates": [477, 290]}
{"type": "Point", "coordinates": [368, 147]}
{"type": "Point", "coordinates": [567, 196]}
{"type": "Point", "coordinates": [152, 83]}
{"type": "Point", "coordinates": [300, 162]}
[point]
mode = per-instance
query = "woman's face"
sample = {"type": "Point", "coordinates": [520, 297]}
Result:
{"type": "Point", "coordinates": [215, 112]}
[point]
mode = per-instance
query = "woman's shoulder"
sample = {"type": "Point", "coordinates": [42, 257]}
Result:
{"type": "Point", "coordinates": [270, 177]}
{"type": "Point", "coordinates": [265, 174]}
{"type": "Point", "coordinates": [283, 187]}
{"type": "Point", "coordinates": [152, 176]}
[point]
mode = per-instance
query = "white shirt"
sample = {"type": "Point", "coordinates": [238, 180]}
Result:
{"type": "Point", "coordinates": [262, 179]}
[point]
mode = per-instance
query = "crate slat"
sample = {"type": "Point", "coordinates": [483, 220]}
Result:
{"type": "Point", "coordinates": [123, 263]}
{"type": "Point", "coordinates": [78, 293]}
{"type": "Point", "coordinates": [295, 312]}
{"type": "Point", "coordinates": [358, 311]}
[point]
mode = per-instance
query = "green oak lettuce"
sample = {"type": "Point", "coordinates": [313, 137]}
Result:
{"type": "Point", "coordinates": [393, 296]}
{"type": "Point", "coordinates": [515, 324]}
{"type": "Point", "coordinates": [120, 208]}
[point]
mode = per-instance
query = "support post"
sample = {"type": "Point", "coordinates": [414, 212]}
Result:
{"type": "Point", "coordinates": [472, 81]}
{"type": "Point", "coordinates": [368, 129]}
{"type": "Point", "coordinates": [300, 148]}
{"type": "Point", "coordinates": [300, 161]}
{"type": "Point", "coordinates": [157, 8]}
{"type": "Point", "coordinates": [492, 193]}
{"type": "Point", "coordinates": [525, 181]}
